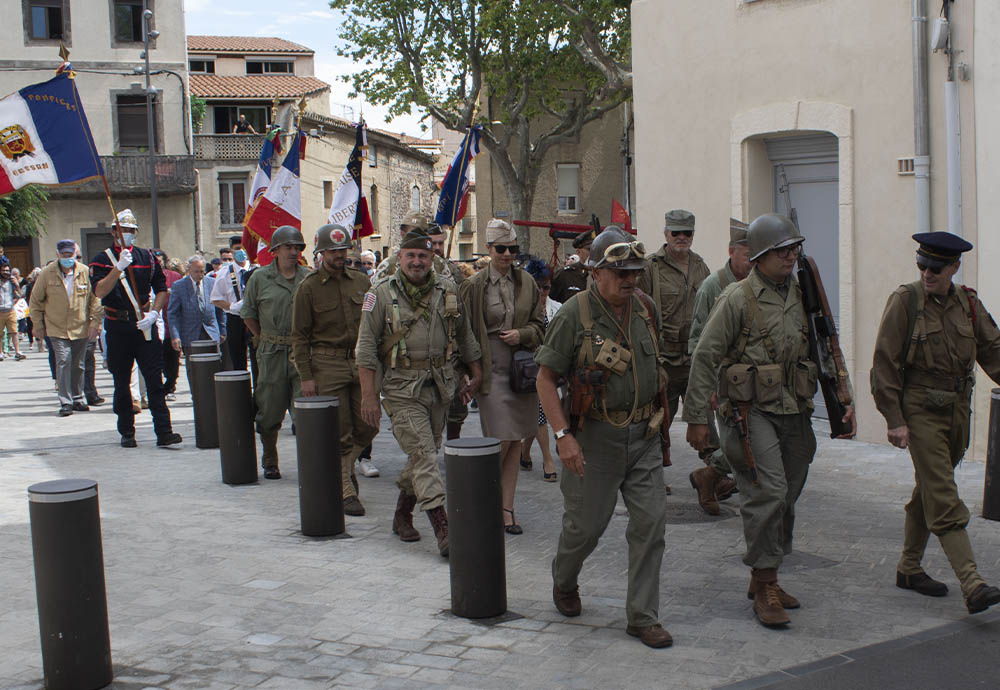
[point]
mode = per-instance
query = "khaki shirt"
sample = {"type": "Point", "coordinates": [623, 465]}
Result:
{"type": "Point", "coordinates": [707, 295]}
{"type": "Point", "coordinates": [499, 310]}
{"type": "Point", "coordinates": [950, 349]}
{"type": "Point", "coordinates": [782, 318]}
{"type": "Point", "coordinates": [427, 339]}
{"type": "Point", "coordinates": [564, 338]}
{"type": "Point", "coordinates": [673, 290]}
{"type": "Point", "coordinates": [63, 316]}
{"type": "Point", "coordinates": [268, 299]}
{"type": "Point", "coordinates": [326, 311]}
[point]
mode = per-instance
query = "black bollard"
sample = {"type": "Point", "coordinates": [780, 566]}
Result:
{"type": "Point", "coordinates": [317, 446]}
{"type": "Point", "coordinates": [69, 584]}
{"type": "Point", "coordinates": [475, 528]}
{"type": "Point", "coordinates": [237, 442]}
{"type": "Point", "coordinates": [991, 490]}
{"type": "Point", "coordinates": [206, 423]}
{"type": "Point", "coordinates": [202, 347]}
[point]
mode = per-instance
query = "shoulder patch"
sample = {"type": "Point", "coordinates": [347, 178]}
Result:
{"type": "Point", "coordinates": [369, 302]}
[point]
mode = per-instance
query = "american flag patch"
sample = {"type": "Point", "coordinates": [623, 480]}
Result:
{"type": "Point", "coordinates": [369, 302]}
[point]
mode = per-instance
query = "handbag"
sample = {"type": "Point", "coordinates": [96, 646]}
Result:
{"type": "Point", "coordinates": [523, 372]}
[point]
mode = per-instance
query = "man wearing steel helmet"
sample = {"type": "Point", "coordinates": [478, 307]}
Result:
{"type": "Point", "coordinates": [326, 311]}
{"type": "Point", "coordinates": [931, 336]}
{"type": "Point", "coordinates": [267, 313]}
{"type": "Point", "coordinates": [757, 335]}
{"type": "Point", "coordinates": [123, 278]}
{"type": "Point", "coordinates": [606, 341]}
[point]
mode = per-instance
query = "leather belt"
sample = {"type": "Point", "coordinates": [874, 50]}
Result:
{"type": "Point", "coordinates": [275, 339]}
{"type": "Point", "coordinates": [407, 363]}
{"type": "Point", "coordinates": [619, 416]}
{"type": "Point", "coordinates": [926, 379]}
{"type": "Point", "coordinates": [345, 352]}
{"type": "Point", "coordinates": [113, 314]}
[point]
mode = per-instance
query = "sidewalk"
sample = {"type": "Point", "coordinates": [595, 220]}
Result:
{"type": "Point", "coordinates": [212, 587]}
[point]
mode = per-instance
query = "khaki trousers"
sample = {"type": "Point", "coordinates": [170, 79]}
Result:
{"type": "Point", "coordinates": [418, 423]}
{"type": "Point", "coordinates": [277, 387]}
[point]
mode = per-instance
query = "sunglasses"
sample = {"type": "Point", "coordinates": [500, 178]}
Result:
{"type": "Point", "coordinates": [623, 273]}
{"type": "Point", "coordinates": [785, 252]}
{"type": "Point", "coordinates": [924, 267]}
{"type": "Point", "coordinates": [686, 233]}
{"type": "Point", "coordinates": [508, 248]}
{"type": "Point", "coordinates": [620, 251]}
{"type": "Point", "coordinates": [353, 263]}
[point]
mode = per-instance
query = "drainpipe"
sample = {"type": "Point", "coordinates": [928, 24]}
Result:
{"type": "Point", "coordinates": [197, 210]}
{"type": "Point", "coordinates": [921, 119]}
{"type": "Point", "coordinates": [953, 137]}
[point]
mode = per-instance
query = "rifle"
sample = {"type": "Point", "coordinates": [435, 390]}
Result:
{"type": "Point", "coordinates": [741, 418]}
{"type": "Point", "coordinates": [824, 346]}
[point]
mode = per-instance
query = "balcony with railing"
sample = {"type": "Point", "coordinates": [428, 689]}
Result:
{"type": "Point", "coordinates": [231, 217]}
{"type": "Point", "coordinates": [228, 147]}
{"type": "Point", "coordinates": [128, 176]}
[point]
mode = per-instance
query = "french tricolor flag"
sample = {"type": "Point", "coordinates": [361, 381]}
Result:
{"type": "Point", "coordinates": [45, 138]}
{"type": "Point", "coordinates": [261, 181]}
{"type": "Point", "coordinates": [454, 199]}
{"type": "Point", "coordinates": [281, 203]}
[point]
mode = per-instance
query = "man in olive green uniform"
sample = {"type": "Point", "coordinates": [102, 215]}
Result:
{"type": "Point", "coordinates": [614, 444]}
{"type": "Point", "coordinates": [417, 221]}
{"type": "Point", "coordinates": [457, 411]}
{"type": "Point", "coordinates": [757, 334]}
{"type": "Point", "coordinates": [413, 335]}
{"type": "Point", "coordinates": [931, 336]}
{"type": "Point", "coordinates": [573, 278]}
{"type": "Point", "coordinates": [267, 312]}
{"type": "Point", "coordinates": [326, 311]}
{"type": "Point", "coordinates": [712, 482]}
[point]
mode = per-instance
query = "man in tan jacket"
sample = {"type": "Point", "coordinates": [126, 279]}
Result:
{"type": "Point", "coordinates": [63, 307]}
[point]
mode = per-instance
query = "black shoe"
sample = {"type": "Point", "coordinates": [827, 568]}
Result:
{"type": "Point", "coordinates": [65, 410]}
{"type": "Point", "coordinates": [95, 402]}
{"type": "Point", "coordinates": [129, 441]}
{"type": "Point", "coordinates": [80, 407]}
{"type": "Point", "coordinates": [170, 439]}
{"type": "Point", "coordinates": [567, 603]}
{"type": "Point", "coordinates": [921, 583]}
{"type": "Point", "coordinates": [982, 598]}
{"type": "Point", "coordinates": [271, 473]}
{"type": "Point", "coordinates": [353, 506]}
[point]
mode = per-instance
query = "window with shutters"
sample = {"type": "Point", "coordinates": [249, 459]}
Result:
{"type": "Point", "coordinates": [46, 22]}
{"type": "Point", "coordinates": [568, 182]}
{"type": "Point", "coordinates": [232, 200]}
{"type": "Point", "coordinates": [132, 124]}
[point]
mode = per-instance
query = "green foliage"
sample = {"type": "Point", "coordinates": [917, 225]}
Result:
{"type": "Point", "coordinates": [198, 105]}
{"type": "Point", "coordinates": [22, 213]}
{"type": "Point", "coordinates": [532, 72]}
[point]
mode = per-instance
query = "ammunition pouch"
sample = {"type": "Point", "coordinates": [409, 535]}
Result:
{"type": "Point", "coordinates": [768, 383]}
{"type": "Point", "coordinates": [805, 375]}
{"type": "Point", "coordinates": [614, 357]}
{"type": "Point", "coordinates": [738, 382]}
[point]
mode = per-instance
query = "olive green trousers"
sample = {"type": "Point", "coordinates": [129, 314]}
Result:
{"type": "Point", "coordinates": [418, 423]}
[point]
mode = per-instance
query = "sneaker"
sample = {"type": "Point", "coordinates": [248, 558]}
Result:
{"type": "Point", "coordinates": [170, 397]}
{"type": "Point", "coordinates": [367, 469]}
{"type": "Point", "coordinates": [80, 406]}
{"type": "Point", "coordinates": [18, 357]}
{"type": "Point", "coordinates": [65, 410]}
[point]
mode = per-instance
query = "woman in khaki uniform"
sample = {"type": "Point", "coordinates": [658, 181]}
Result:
{"type": "Point", "coordinates": [931, 336]}
{"type": "Point", "coordinates": [506, 314]}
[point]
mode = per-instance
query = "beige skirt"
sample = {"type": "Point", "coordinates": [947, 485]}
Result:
{"type": "Point", "coordinates": [504, 414]}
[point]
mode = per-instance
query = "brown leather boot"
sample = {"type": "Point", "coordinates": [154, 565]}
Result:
{"type": "Point", "coordinates": [704, 480]}
{"type": "Point", "coordinates": [724, 488]}
{"type": "Point", "coordinates": [402, 521]}
{"type": "Point", "coordinates": [786, 599]}
{"type": "Point", "coordinates": [439, 521]}
{"type": "Point", "coordinates": [454, 430]}
{"type": "Point", "coordinates": [766, 603]}
{"type": "Point", "coordinates": [269, 453]}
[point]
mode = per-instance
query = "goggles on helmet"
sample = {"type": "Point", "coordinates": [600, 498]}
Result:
{"type": "Point", "coordinates": [622, 251]}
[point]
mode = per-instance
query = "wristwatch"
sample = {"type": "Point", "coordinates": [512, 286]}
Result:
{"type": "Point", "coordinates": [562, 432]}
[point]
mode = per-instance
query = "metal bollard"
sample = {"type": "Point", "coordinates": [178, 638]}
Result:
{"type": "Point", "coordinates": [69, 584]}
{"type": "Point", "coordinates": [317, 445]}
{"type": "Point", "coordinates": [237, 442]}
{"type": "Point", "coordinates": [991, 490]}
{"type": "Point", "coordinates": [206, 422]}
{"type": "Point", "coordinates": [475, 528]}
{"type": "Point", "coordinates": [201, 347]}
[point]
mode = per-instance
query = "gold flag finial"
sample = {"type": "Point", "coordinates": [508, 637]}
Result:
{"type": "Point", "coordinates": [63, 52]}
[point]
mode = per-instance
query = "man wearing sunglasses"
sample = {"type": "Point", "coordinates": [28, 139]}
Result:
{"type": "Point", "coordinates": [672, 278]}
{"type": "Point", "coordinates": [931, 336]}
{"type": "Point", "coordinates": [756, 336]}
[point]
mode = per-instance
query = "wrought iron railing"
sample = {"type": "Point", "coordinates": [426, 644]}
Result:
{"type": "Point", "coordinates": [128, 176]}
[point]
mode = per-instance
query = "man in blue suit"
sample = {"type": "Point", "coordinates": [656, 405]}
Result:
{"type": "Point", "coordinates": [190, 313]}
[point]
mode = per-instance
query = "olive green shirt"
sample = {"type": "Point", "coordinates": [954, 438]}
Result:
{"type": "Point", "coordinates": [950, 349]}
{"type": "Point", "coordinates": [705, 299]}
{"type": "Point", "coordinates": [564, 338]}
{"type": "Point", "coordinates": [326, 311]}
{"type": "Point", "coordinates": [268, 299]}
{"type": "Point", "coordinates": [673, 289]}
{"type": "Point", "coordinates": [781, 316]}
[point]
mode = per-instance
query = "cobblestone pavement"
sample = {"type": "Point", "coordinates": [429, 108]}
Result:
{"type": "Point", "coordinates": [212, 587]}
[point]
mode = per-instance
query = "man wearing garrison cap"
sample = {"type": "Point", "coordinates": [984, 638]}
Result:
{"type": "Point", "coordinates": [573, 277]}
{"type": "Point", "coordinates": [932, 334]}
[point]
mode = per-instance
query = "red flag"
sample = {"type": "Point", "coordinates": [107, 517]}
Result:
{"type": "Point", "coordinates": [619, 216]}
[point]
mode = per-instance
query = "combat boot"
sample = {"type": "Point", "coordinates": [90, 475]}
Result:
{"type": "Point", "coordinates": [703, 480]}
{"type": "Point", "coordinates": [786, 599]}
{"type": "Point", "coordinates": [439, 521]}
{"type": "Point", "coordinates": [402, 521]}
{"type": "Point", "coordinates": [269, 454]}
{"type": "Point", "coordinates": [766, 602]}
{"type": "Point", "coordinates": [724, 488]}
{"type": "Point", "coordinates": [454, 430]}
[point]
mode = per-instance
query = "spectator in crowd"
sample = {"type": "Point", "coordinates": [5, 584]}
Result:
{"type": "Point", "coordinates": [29, 284]}
{"type": "Point", "coordinates": [539, 270]}
{"type": "Point", "coordinates": [190, 312]}
{"type": "Point", "coordinates": [171, 357]}
{"type": "Point", "coordinates": [368, 262]}
{"type": "Point", "coordinates": [10, 293]}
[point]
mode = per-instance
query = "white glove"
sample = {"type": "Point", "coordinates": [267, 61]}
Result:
{"type": "Point", "coordinates": [236, 306]}
{"type": "Point", "coordinates": [147, 321]}
{"type": "Point", "coordinates": [124, 259]}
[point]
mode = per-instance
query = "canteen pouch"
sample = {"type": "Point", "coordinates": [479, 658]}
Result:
{"type": "Point", "coordinates": [768, 383]}
{"type": "Point", "coordinates": [738, 382]}
{"type": "Point", "coordinates": [523, 372]}
{"type": "Point", "coordinates": [804, 378]}
{"type": "Point", "coordinates": [614, 357]}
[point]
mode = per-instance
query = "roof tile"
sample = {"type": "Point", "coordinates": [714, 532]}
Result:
{"type": "Point", "coordinates": [255, 86]}
{"type": "Point", "coordinates": [244, 44]}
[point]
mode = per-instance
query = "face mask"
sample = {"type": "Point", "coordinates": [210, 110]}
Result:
{"type": "Point", "coordinates": [67, 263]}
{"type": "Point", "coordinates": [240, 256]}
{"type": "Point", "coordinates": [128, 238]}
